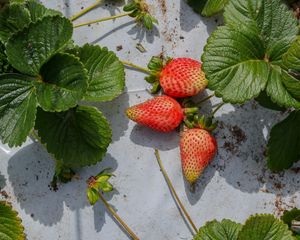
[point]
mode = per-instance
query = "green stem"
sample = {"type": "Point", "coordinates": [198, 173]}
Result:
{"type": "Point", "coordinates": [217, 108]}
{"type": "Point", "coordinates": [136, 67]}
{"type": "Point", "coordinates": [84, 11]}
{"type": "Point", "coordinates": [117, 217]}
{"type": "Point", "coordinates": [101, 20]}
{"type": "Point", "coordinates": [173, 191]}
{"type": "Point", "coordinates": [205, 99]}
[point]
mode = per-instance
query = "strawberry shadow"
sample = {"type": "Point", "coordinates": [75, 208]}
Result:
{"type": "Point", "coordinates": [30, 172]}
{"type": "Point", "coordinates": [146, 137]}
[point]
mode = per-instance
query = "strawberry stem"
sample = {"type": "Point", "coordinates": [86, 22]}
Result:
{"type": "Point", "coordinates": [173, 191]}
{"type": "Point", "coordinates": [131, 65]}
{"type": "Point", "coordinates": [118, 218]}
{"type": "Point", "coordinates": [205, 99]}
{"type": "Point", "coordinates": [84, 11]}
{"type": "Point", "coordinates": [217, 108]}
{"type": "Point", "coordinates": [101, 20]}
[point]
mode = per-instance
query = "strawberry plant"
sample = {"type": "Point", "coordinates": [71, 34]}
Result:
{"type": "Point", "coordinates": [256, 56]}
{"type": "Point", "coordinates": [10, 224]}
{"type": "Point", "coordinates": [43, 96]}
{"type": "Point", "coordinates": [257, 227]}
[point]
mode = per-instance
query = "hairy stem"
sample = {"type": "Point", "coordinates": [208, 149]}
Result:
{"type": "Point", "coordinates": [84, 11]}
{"type": "Point", "coordinates": [217, 108]}
{"type": "Point", "coordinates": [205, 99]}
{"type": "Point", "coordinates": [101, 20]}
{"type": "Point", "coordinates": [117, 217]}
{"type": "Point", "coordinates": [173, 191]}
{"type": "Point", "coordinates": [146, 70]}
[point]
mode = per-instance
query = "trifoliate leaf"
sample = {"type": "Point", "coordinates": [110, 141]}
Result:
{"type": "Point", "coordinates": [207, 8]}
{"type": "Point", "coordinates": [291, 59]}
{"type": "Point", "coordinates": [244, 58]}
{"type": "Point", "coordinates": [289, 216]}
{"type": "Point", "coordinates": [17, 108]}
{"type": "Point", "coordinates": [265, 227]}
{"type": "Point", "coordinates": [38, 11]}
{"type": "Point", "coordinates": [284, 143]}
{"type": "Point", "coordinates": [92, 195]}
{"type": "Point", "coordinates": [30, 48]}
{"type": "Point", "coordinates": [10, 224]}
{"type": "Point", "coordinates": [105, 71]}
{"type": "Point", "coordinates": [63, 83]}
{"type": "Point", "coordinates": [13, 18]}
{"type": "Point", "coordinates": [225, 230]}
{"type": "Point", "coordinates": [77, 137]}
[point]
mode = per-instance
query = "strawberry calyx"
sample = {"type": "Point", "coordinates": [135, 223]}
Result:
{"type": "Point", "coordinates": [200, 121]}
{"type": "Point", "coordinates": [156, 65]}
{"type": "Point", "coordinates": [139, 10]}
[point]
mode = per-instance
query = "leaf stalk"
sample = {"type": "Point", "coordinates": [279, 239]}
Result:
{"type": "Point", "coordinates": [101, 20]}
{"type": "Point", "coordinates": [205, 99]}
{"type": "Point", "coordinates": [86, 10]}
{"type": "Point", "coordinates": [174, 191]}
{"type": "Point", "coordinates": [117, 217]}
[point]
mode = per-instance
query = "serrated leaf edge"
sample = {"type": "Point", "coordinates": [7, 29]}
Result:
{"type": "Point", "coordinates": [16, 218]}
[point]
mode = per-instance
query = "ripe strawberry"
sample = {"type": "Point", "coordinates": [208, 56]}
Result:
{"type": "Point", "coordinates": [161, 113]}
{"type": "Point", "coordinates": [197, 150]}
{"type": "Point", "coordinates": [183, 77]}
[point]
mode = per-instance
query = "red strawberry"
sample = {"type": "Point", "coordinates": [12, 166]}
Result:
{"type": "Point", "coordinates": [197, 150]}
{"type": "Point", "coordinates": [183, 77]}
{"type": "Point", "coordinates": [161, 113]}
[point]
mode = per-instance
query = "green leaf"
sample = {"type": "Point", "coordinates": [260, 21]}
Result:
{"type": "Point", "coordinates": [10, 224]}
{"type": "Point", "coordinates": [292, 58]}
{"type": "Point", "coordinates": [5, 66]}
{"type": "Point", "coordinates": [265, 101]}
{"type": "Point", "coordinates": [38, 11]}
{"type": "Point", "coordinates": [92, 195]}
{"type": "Point", "coordinates": [265, 227]}
{"type": "Point", "coordinates": [289, 216]}
{"type": "Point", "coordinates": [284, 143]}
{"type": "Point", "coordinates": [244, 58]}
{"type": "Point", "coordinates": [105, 186]}
{"type": "Point", "coordinates": [13, 18]}
{"type": "Point", "coordinates": [105, 71]}
{"type": "Point", "coordinates": [232, 64]}
{"type": "Point", "coordinates": [30, 48]}
{"type": "Point", "coordinates": [63, 83]}
{"type": "Point", "coordinates": [207, 8]}
{"type": "Point", "coordinates": [17, 108]}
{"type": "Point", "coordinates": [78, 137]}
{"type": "Point", "coordinates": [225, 230]}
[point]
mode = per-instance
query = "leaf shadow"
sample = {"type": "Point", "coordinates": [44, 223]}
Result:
{"type": "Point", "coordinates": [242, 139]}
{"type": "Point", "coordinates": [189, 19]}
{"type": "Point", "coordinates": [141, 33]}
{"type": "Point", "coordinates": [113, 6]}
{"type": "Point", "coordinates": [101, 213]}
{"type": "Point", "coordinates": [114, 111]}
{"type": "Point", "coordinates": [30, 172]}
{"type": "Point", "coordinates": [2, 181]}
